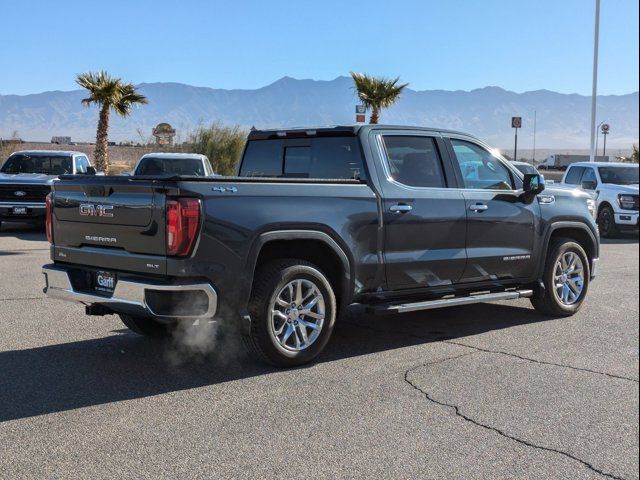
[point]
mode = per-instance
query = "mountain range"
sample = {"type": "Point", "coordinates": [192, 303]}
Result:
{"type": "Point", "coordinates": [562, 119]}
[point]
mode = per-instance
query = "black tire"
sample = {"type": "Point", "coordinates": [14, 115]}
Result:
{"type": "Point", "coordinates": [548, 302]}
{"type": "Point", "coordinates": [145, 326]}
{"type": "Point", "coordinates": [607, 222]}
{"type": "Point", "coordinates": [268, 283]}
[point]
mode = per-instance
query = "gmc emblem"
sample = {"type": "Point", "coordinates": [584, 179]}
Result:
{"type": "Point", "coordinates": [91, 210]}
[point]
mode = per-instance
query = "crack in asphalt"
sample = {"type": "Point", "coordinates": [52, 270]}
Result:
{"type": "Point", "coordinates": [459, 413]}
{"type": "Point", "coordinates": [497, 352]}
{"type": "Point", "coordinates": [541, 362]}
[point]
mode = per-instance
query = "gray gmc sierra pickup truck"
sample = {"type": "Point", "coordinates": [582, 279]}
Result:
{"type": "Point", "coordinates": [398, 218]}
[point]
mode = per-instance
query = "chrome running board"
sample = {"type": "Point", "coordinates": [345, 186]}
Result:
{"type": "Point", "coordinates": [452, 301]}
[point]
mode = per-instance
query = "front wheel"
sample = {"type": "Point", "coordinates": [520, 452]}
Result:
{"type": "Point", "coordinates": [607, 222]}
{"type": "Point", "coordinates": [293, 312]}
{"type": "Point", "coordinates": [566, 279]}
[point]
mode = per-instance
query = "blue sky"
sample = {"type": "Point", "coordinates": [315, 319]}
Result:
{"type": "Point", "coordinates": [518, 45]}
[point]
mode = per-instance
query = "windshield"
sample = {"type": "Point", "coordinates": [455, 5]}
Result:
{"type": "Point", "coordinates": [47, 164]}
{"type": "Point", "coordinates": [619, 175]}
{"type": "Point", "coordinates": [170, 166]}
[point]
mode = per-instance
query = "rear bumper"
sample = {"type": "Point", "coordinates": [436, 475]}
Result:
{"type": "Point", "coordinates": [131, 297]}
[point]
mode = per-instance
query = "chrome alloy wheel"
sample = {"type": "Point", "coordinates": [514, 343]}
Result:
{"type": "Point", "coordinates": [297, 315]}
{"type": "Point", "coordinates": [568, 278]}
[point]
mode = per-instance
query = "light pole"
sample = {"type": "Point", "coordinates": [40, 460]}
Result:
{"type": "Point", "coordinates": [594, 90]}
{"type": "Point", "coordinates": [535, 121]}
{"type": "Point", "coordinates": [595, 157]}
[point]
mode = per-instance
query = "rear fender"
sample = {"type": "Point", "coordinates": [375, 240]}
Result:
{"type": "Point", "coordinates": [292, 235]}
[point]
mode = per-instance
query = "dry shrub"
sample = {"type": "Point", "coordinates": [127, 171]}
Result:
{"type": "Point", "coordinates": [222, 145]}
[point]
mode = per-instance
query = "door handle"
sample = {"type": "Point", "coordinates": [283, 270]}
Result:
{"type": "Point", "coordinates": [479, 207]}
{"type": "Point", "coordinates": [400, 208]}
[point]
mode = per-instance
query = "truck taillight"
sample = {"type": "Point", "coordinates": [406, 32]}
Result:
{"type": "Point", "coordinates": [49, 217]}
{"type": "Point", "coordinates": [183, 220]}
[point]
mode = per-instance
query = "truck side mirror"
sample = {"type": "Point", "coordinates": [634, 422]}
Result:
{"type": "Point", "coordinates": [589, 185]}
{"type": "Point", "coordinates": [533, 183]}
{"type": "Point", "coordinates": [91, 170]}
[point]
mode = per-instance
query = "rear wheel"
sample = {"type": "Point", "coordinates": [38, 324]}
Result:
{"type": "Point", "coordinates": [607, 222]}
{"type": "Point", "coordinates": [566, 279]}
{"type": "Point", "coordinates": [293, 312]}
{"type": "Point", "coordinates": [145, 326]}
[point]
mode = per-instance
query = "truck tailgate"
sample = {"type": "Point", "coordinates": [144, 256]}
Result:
{"type": "Point", "coordinates": [110, 222]}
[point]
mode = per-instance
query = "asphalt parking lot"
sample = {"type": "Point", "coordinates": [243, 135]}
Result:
{"type": "Point", "coordinates": [486, 391]}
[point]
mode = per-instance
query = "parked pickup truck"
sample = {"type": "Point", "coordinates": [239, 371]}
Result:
{"type": "Point", "coordinates": [398, 218]}
{"type": "Point", "coordinates": [26, 178]}
{"type": "Point", "coordinates": [614, 187]}
{"type": "Point", "coordinates": [173, 164]}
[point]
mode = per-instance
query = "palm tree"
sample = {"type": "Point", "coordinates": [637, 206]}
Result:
{"type": "Point", "coordinates": [109, 93]}
{"type": "Point", "coordinates": [377, 93]}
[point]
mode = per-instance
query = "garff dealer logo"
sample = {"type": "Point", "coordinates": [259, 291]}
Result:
{"type": "Point", "coordinates": [106, 281]}
{"type": "Point", "coordinates": [91, 210]}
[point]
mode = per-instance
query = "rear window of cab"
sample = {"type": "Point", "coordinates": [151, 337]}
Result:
{"type": "Point", "coordinates": [320, 157]}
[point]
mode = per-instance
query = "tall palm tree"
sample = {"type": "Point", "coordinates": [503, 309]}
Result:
{"type": "Point", "coordinates": [109, 93]}
{"type": "Point", "coordinates": [377, 93]}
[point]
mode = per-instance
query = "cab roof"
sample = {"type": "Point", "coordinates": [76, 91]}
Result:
{"type": "Point", "coordinates": [173, 155]}
{"type": "Point", "coordinates": [339, 130]}
{"type": "Point", "coordinates": [603, 164]}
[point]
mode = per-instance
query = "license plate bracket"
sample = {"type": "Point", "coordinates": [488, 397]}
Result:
{"type": "Point", "coordinates": [104, 282]}
{"type": "Point", "coordinates": [19, 210]}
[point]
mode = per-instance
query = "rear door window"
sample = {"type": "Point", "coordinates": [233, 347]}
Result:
{"type": "Point", "coordinates": [414, 161]}
{"type": "Point", "coordinates": [574, 175]}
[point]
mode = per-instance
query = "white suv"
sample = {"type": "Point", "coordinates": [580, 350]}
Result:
{"type": "Point", "coordinates": [614, 186]}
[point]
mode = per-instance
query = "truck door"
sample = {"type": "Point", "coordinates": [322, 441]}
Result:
{"type": "Point", "coordinates": [424, 221]}
{"type": "Point", "coordinates": [501, 227]}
